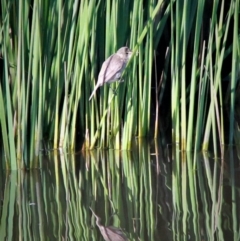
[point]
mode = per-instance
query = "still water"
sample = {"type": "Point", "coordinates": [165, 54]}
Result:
{"type": "Point", "coordinates": [152, 193]}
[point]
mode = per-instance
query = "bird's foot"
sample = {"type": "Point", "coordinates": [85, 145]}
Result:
{"type": "Point", "coordinates": [113, 90]}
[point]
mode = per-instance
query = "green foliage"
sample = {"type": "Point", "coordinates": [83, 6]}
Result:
{"type": "Point", "coordinates": [198, 113]}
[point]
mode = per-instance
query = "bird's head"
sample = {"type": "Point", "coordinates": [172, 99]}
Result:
{"type": "Point", "coordinates": [125, 53]}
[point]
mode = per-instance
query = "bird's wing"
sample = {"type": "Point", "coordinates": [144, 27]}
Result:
{"type": "Point", "coordinates": [109, 69]}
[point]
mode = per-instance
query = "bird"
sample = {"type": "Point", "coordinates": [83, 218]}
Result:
{"type": "Point", "coordinates": [109, 233]}
{"type": "Point", "coordinates": [112, 68]}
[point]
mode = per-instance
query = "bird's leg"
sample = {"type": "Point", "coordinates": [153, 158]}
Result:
{"type": "Point", "coordinates": [113, 90]}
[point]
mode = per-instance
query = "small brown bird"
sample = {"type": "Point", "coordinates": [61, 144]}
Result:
{"type": "Point", "coordinates": [113, 67]}
{"type": "Point", "coordinates": [109, 233]}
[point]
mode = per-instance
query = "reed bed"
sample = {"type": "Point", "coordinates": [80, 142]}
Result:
{"type": "Point", "coordinates": [52, 52]}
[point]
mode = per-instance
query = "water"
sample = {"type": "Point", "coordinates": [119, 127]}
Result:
{"type": "Point", "coordinates": [151, 193]}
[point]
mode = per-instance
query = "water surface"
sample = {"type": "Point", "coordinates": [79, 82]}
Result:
{"type": "Point", "coordinates": [151, 193]}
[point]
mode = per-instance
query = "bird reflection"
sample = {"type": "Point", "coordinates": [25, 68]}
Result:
{"type": "Point", "coordinates": [109, 233]}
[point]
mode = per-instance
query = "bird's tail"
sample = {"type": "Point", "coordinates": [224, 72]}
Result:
{"type": "Point", "coordinates": [95, 89]}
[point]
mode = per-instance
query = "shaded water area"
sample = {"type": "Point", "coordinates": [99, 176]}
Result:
{"type": "Point", "coordinates": [151, 193]}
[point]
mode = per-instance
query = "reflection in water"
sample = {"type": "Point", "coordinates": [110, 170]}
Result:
{"type": "Point", "coordinates": [171, 197]}
{"type": "Point", "coordinates": [109, 233]}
